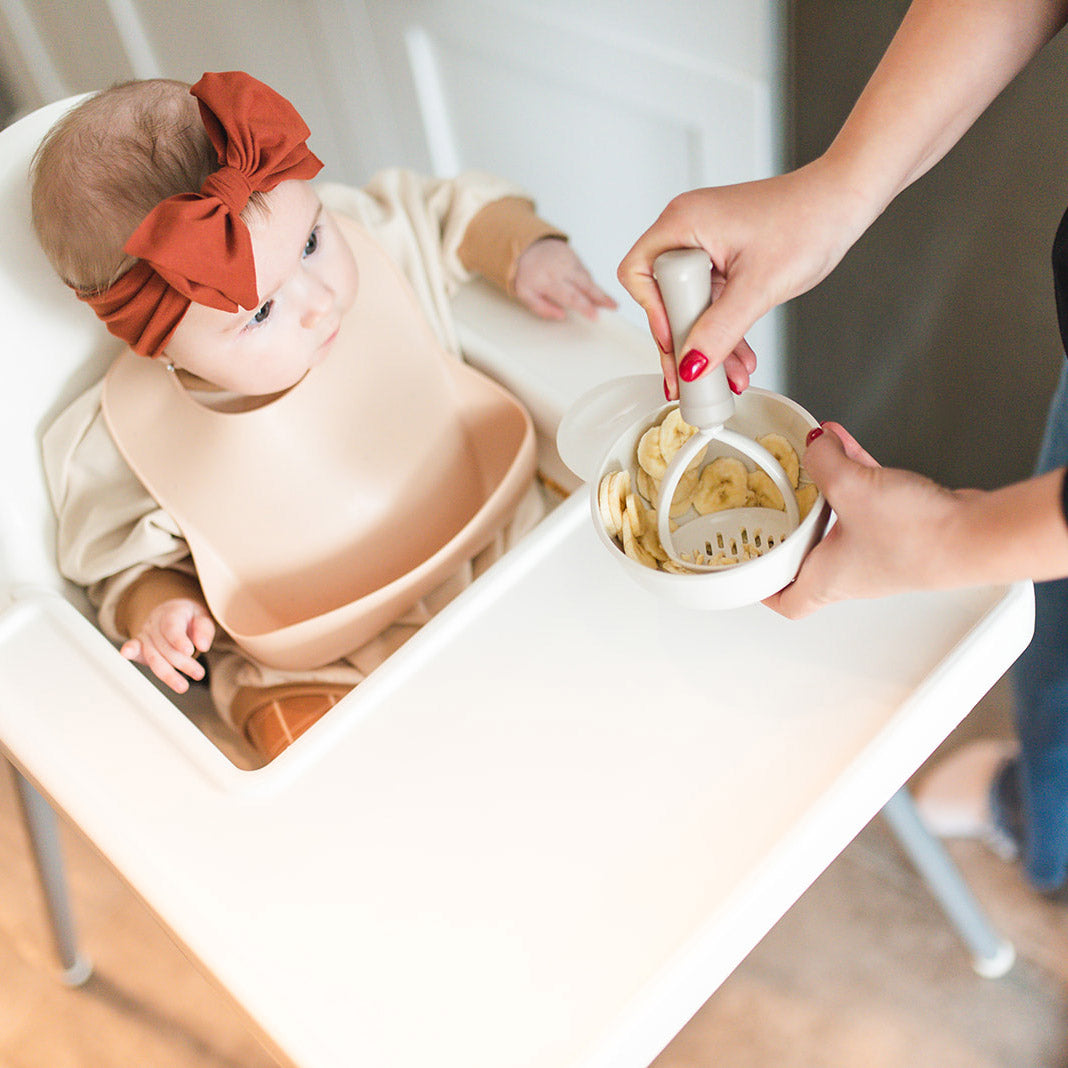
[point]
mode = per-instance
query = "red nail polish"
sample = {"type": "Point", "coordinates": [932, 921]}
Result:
{"type": "Point", "coordinates": [692, 364]}
{"type": "Point", "coordinates": [734, 389]}
{"type": "Point", "coordinates": [667, 392]}
{"type": "Point", "coordinates": [813, 434]}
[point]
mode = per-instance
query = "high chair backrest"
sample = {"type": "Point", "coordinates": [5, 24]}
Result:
{"type": "Point", "coordinates": [54, 348]}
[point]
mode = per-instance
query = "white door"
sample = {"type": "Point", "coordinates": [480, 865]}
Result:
{"type": "Point", "coordinates": [602, 109]}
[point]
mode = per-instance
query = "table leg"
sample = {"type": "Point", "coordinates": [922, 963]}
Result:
{"type": "Point", "coordinates": [43, 829]}
{"type": "Point", "coordinates": [993, 956]}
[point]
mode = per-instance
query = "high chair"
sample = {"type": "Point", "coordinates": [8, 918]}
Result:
{"type": "Point", "coordinates": [547, 828]}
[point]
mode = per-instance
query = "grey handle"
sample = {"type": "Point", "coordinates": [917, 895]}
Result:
{"type": "Point", "coordinates": [684, 276]}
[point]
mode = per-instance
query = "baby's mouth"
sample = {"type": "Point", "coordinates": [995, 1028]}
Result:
{"type": "Point", "coordinates": [331, 338]}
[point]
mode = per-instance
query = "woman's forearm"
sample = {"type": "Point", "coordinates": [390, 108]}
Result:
{"type": "Point", "coordinates": [1016, 532]}
{"type": "Point", "coordinates": [948, 60]}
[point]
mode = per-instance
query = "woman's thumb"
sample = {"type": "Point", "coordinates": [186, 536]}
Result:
{"type": "Point", "coordinates": [831, 454]}
{"type": "Point", "coordinates": [721, 328]}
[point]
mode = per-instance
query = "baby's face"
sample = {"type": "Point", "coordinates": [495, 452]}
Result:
{"type": "Point", "coordinates": [307, 280]}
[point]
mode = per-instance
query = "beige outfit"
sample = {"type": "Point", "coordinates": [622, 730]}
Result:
{"type": "Point", "coordinates": [113, 537]}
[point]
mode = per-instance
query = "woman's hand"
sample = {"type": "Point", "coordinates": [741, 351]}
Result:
{"type": "Point", "coordinates": [551, 280]}
{"type": "Point", "coordinates": [169, 639]}
{"type": "Point", "coordinates": [769, 241]}
{"type": "Point", "coordinates": [895, 530]}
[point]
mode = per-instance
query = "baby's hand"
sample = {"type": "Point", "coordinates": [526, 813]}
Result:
{"type": "Point", "coordinates": [550, 279]}
{"type": "Point", "coordinates": [169, 639]}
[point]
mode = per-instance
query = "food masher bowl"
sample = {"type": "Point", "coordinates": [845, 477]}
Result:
{"type": "Point", "coordinates": [758, 412]}
{"type": "Point", "coordinates": [600, 435]}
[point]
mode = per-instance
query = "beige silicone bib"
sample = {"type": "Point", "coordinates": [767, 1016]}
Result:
{"type": "Point", "coordinates": [319, 518]}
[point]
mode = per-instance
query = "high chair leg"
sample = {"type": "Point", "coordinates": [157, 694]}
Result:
{"type": "Point", "coordinates": [43, 829]}
{"type": "Point", "coordinates": [993, 956]}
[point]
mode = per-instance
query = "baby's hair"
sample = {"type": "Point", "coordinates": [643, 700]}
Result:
{"type": "Point", "coordinates": [105, 165]}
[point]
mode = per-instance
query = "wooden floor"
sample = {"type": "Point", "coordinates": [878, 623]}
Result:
{"type": "Point", "coordinates": [862, 973]}
{"type": "Point", "coordinates": [145, 1005]}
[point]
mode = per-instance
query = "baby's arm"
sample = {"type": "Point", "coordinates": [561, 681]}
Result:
{"type": "Point", "coordinates": [530, 260]}
{"type": "Point", "coordinates": [167, 623]}
{"type": "Point", "coordinates": [114, 540]}
{"type": "Point", "coordinates": [441, 231]}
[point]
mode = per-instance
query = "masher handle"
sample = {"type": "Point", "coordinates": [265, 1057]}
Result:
{"type": "Point", "coordinates": [684, 277]}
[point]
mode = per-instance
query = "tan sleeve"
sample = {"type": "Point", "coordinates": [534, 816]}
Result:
{"type": "Point", "coordinates": [498, 235]}
{"type": "Point", "coordinates": [109, 530]}
{"type": "Point", "coordinates": [149, 590]}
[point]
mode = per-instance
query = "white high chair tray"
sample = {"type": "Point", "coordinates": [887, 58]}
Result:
{"type": "Point", "coordinates": [541, 835]}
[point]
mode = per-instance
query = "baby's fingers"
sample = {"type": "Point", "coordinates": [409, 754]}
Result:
{"type": "Point", "coordinates": [571, 296]}
{"type": "Point", "coordinates": [202, 632]}
{"type": "Point", "coordinates": [170, 656]}
{"type": "Point", "coordinates": [132, 651]}
{"type": "Point", "coordinates": [554, 299]}
{"type": "Point", "coordinates": [541, 305]}
{"type": "Point", "coordinates": [168, 672]}
{"type": "Point", "coordinates": [592, 294]}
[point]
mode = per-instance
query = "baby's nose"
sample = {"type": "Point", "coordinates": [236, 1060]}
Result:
{"type": "Point", "coordinates": [318, 303]}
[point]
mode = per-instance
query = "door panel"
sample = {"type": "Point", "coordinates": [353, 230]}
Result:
{"type": "Point", "coordinates": [602, 125]}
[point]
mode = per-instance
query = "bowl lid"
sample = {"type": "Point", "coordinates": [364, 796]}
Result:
{"type": "Point", "coordinates": [591, 426]}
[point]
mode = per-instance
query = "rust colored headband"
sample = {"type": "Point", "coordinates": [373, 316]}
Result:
{"type": "Point", "coordinates": [194, 247]}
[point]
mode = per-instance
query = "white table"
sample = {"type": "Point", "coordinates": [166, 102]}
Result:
{"type": "Point", "coordinates": [541, 835]}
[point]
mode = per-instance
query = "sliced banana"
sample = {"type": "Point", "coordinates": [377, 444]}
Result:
{"type": "Point", "coordinates": [607, 519]}
{"type": "Point", "coordinates": [674, 569]}
{"type": "Point", "coordinates": [785, 453]}
{"type": "Point", "coordinates": [633, 547]}
{"type": "Point", "coordinates": [806, 495]}
{"type": "Point", "coordinates": [722, 485]}
{"type": "Point", "coordinates": [627, 499]}
{"type": "Point", "coordinates": [684, 493]}
{"type": "Point", "coordinates": [611, 500]}
{"type": "Point", "coordinates": [633, 515]}
{"type": "Point", "coordinates": [650, 540]}
{"type": "Point", "coordinates": [674, 433]}
{"type": "Point", "coordinates": [764, 492]}
{"type": "Point", "coordinates": [617, 496]}
{"type": "Point", "coordinates": [650, 458]}
{"type": "Point", "coordinates": [728, 469]}
{"type": "Point", "coordinates": [648, 486]}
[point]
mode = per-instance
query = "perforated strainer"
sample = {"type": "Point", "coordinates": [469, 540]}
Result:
{"type": "Point", "coordinates": [719, 539]}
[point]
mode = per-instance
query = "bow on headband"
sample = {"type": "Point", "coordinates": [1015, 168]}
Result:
{"type": "Point", "coordinates": [194, 247]}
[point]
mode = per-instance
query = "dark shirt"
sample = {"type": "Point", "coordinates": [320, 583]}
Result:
{"type": "Point", "coordinates": [1060, 277]}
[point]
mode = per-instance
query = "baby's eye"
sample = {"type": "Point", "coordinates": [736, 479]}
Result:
{"type": "Point", "coordinates": [263, 313]}
{"type": "Point", "coordinates": [312, 243]}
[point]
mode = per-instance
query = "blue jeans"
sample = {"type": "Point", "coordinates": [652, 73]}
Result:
{"type": "Point", "coordinates": [1040, 682]}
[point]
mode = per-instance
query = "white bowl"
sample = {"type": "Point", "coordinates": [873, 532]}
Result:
{"type": "Point", "coordinates": [758, 412]}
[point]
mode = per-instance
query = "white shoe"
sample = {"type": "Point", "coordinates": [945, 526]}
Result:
{"type": "Point", "coordinates": [953, 800]}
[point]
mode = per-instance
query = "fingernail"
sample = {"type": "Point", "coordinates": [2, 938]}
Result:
{"type": "Point", "coordinates": [693, 363]}
{"type": "Point", "coordinates": [734, 389]}
{"type": "Point", "coordinates": [814, 433]}
{"type": "Point", "coordinates": [667, 392]}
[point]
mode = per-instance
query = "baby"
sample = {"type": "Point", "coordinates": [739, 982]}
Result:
{"type": "Point", "coordinates": [184, 216]}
